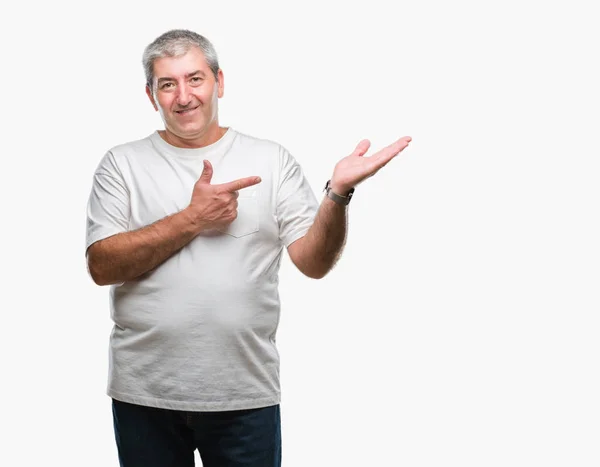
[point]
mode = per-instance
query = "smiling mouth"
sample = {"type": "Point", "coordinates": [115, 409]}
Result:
{"type": "Point", "coordinates": [186, 111]}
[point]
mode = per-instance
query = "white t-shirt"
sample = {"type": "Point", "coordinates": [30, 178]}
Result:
{"type": "Point", "coordinates": [197, 333]}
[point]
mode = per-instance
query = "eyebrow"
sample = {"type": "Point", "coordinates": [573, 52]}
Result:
{"type": "Point", "coordinates": [188, 75]}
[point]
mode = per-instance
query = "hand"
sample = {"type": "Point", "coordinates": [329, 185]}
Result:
{"type": "Point", "coordinates": [215, 206]}
{"type": "Point", "coordinates": [355, 168]}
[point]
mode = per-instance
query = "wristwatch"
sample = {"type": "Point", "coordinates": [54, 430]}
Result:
{"type": "Point", "coordinates": [343, 200]}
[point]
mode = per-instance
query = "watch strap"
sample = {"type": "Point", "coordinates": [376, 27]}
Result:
{"type": "Point", "coordinates": [339, 199]}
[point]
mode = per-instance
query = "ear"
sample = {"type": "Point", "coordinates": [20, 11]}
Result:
{"type": "Point", "coordinates": [151, 97]}
{"type": "Point", "coordinates": [221, 83]}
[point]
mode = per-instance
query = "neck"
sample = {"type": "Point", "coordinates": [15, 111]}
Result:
{"type": "Point", "coordinates": [210, 136]}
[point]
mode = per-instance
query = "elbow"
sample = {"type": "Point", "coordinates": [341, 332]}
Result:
{"type": "Point", "coordinates": [315, 273]}
{"type": "Point", "coordinates": [100, 282]}
{"type": "Point", "coordinates": [95, 271]}
{"type": "Point", "coordinates": [96, 274]}
{"type": "Point", "coordinates": [317, 276]}
{"type": "Point", "coordinates": [314, 269]}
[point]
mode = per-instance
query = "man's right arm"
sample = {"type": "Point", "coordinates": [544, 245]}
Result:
{"type": "Point", "coordinates": [128, 255]}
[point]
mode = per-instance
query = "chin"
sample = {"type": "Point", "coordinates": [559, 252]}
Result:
{"type": "Point", "coordinates": [187, 130]}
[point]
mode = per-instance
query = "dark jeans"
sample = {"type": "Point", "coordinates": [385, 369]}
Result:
{"type": "Point", "coordinates": [150, 437]}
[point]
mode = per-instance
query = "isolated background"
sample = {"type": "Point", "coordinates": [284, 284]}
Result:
{"type": "Point", "coordinates": [461, 325]}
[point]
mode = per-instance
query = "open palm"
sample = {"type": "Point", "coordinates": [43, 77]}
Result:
{"type": "Point", "coordinates": [355, 168]}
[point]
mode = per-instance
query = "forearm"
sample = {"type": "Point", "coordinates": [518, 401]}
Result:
{"type": "Point", "coordinates": [324, 242]}
{"type": "Point", "coordinates": [128, 255]}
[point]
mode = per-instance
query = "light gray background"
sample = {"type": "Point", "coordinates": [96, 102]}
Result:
{"type": "Point", "coordinates": [461, 325]}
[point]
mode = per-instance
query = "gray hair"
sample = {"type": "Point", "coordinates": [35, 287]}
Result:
{"type": "Point", "coordinates": [175, 43]}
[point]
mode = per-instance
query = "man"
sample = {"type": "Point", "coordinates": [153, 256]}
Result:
{"type": "Point", "coordinates": [188, 226]}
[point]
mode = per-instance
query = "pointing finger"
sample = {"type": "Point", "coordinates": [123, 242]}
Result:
{"type": "Point", "coordinates": [239, 184]}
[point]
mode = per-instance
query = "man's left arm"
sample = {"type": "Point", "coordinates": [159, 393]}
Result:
{"type": "Point", "coordinates": [316, 253]}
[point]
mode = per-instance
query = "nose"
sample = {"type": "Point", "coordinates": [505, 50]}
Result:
{"type": "Point", "coordinates": [184, 96]}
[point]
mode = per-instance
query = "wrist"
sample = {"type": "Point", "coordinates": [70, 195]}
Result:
{"type": "Point", "coordinates": [192, 220]}
{"type": "Point", "coordinates": [339, 188]}
{"type": "Point", "coordinates": [340, 194]}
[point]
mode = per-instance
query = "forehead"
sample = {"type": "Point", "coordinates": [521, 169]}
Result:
{"type": "Point", "coordinates": [173, 67]}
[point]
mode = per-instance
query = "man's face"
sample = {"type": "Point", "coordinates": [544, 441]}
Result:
{"type": "Point", "coordinates": [186, 93]}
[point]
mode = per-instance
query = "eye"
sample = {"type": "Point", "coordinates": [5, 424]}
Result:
{"type": "Point", "coordinates": [196, 80]}
{"type": "Point", "coordinates": [166, 85]}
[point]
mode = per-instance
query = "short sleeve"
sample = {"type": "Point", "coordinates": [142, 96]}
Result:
{"type": "Point", "coordinates": [296, 202]}
{"type": "Point", "coordinates": [108, 203]}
